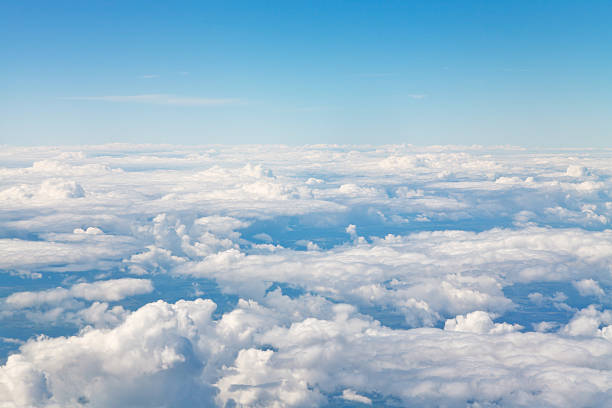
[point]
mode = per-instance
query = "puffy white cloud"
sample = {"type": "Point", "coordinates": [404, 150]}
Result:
{"type": "Point", "coordinates": [589, 322]}
{"type": "Point", "coordinates": [89, 230]}
{"type": "Point", "coordinates": [440, 235]}
{"type": "Point", "coordinates": [176, 354]}
{"type": "Point", "coordinates": [109, 290]}
{"type": "Point", "coordinates": [29, 299]}
{"type": "Point", "coordinates": [51, 189]}
{"type": "Point", "coordinates": [479, 322]}
{"type": "Point", "coordinates": [588, 287]}
{"type": "Point", "coordinates": [132, 363]}
{"type": "Point", "coordinates": [99, 314]}
{"type": "Point", "coordinates": [545, 326]}
{"type": "Point", "coordinates": [425, 276]}
{"type": "Point", "coordinates": [69, 304]}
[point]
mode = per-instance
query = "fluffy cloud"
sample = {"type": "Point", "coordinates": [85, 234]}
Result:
{"type": "Point", "coordinates": [334, 269]}
{"type": "Point", "coordinates": [49, 190]}
{"type": "Point", "coordinates": [588, 287]}
{"type": "Point", "coordinates": [590, 322]}
{"type": "Point", "coordinates": [69, 305]}
{"type": "Point", "coordinates": [110, 290]}
{"type": "Point", "coordinates": [478, 322]}
{"type": "Point", "coordinates": [83, 253]}
{"type": "Point", "coordinates": [177, 354]}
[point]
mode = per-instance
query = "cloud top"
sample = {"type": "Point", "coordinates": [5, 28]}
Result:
{"type": "Point", "coordinates": [291, 276]}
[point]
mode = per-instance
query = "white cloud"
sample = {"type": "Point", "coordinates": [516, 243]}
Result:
{"type": "Point", "coordinates": [109, 290]}
{"type": "Point", "coordinates": [89, 231]}
{"type": "Point", "coordinates": [252, 358]}
{"type": "Point", "coordinates": [160, 99]}
{"type": "Point", "coordinates": [52, 189]}
{"type": "Point", "coordinates": [588, 287]}
{"type": "Point", "coordinates": [574, 170]}
{"type": "Point", "coordinates": [351, 395]}
{"type": "Point", "coordinates": [377, 245]}
{"type": "Point", "coordinates": [89, 251]}
{"type": "Point", "coordinates": [60, 306]}
{"type": "Point", "coordinates": [479, 322]}
{"type": "Point", "coordinates": [590, 322]}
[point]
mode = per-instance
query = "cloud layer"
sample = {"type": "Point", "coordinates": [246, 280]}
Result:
{"type": "Point", "coordinates": [310, 276]}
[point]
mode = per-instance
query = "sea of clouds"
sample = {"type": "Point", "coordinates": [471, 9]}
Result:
{"type": "Point", "coordinates": [276, 276]}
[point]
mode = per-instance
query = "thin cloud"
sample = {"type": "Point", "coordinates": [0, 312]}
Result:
{"type": "Point", "coordinates": [417, 96]}
{"type": "Point", "coordinates": [313, 108]}
{"type": "Point", "coordinates": [376, 75]}
{"type": "Point", "coordinates": [150, 76]}
{"type": "Point", "coordinates": [159, 99]}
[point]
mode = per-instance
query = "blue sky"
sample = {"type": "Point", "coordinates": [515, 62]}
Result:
{"type": "Point", "coordinates": [534, 73]}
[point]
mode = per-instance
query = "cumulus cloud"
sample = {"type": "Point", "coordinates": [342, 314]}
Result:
{"type": "Point", "coordinates": [373, 275]}
{"type": "Point", "coordinates": [590, 322]}
{"type": "Point", "coordinates": [588, 287]}
{"type": "Point", "coordinates": [478, 322]}
{"type": "Point", "coordinates": [51, 189]}
{"type": "Point", "coordinates": [89, 230]}
{"type": "Point", "coordinates": [68, 304]}
{"type": "Point", "coordinates": [177, 354]}
{"type": "Point", "coordinates": [111, 290]}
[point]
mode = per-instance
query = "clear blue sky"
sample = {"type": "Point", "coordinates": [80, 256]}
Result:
{"type": "Point", "coordinates": [428, 72]}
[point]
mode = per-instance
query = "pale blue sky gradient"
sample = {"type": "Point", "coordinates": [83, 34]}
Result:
{"type": "Point", "coordinates": [533, 73]}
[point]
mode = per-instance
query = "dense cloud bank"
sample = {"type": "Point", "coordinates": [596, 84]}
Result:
{"type": "Point", "coordinates": [311, 276]}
